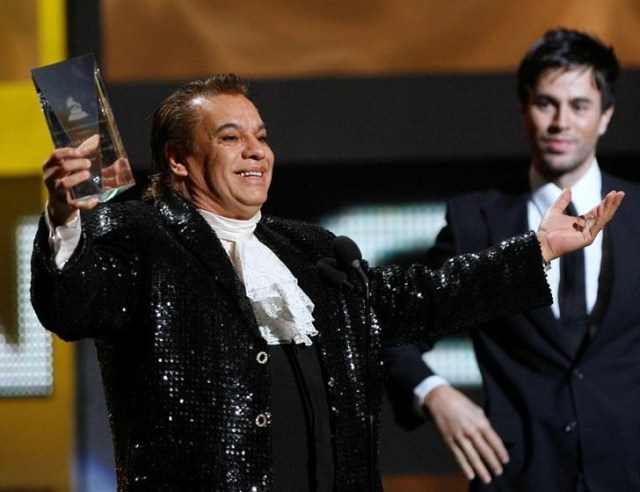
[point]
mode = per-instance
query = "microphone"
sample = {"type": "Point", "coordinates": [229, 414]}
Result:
{"type": "Point", "coordinates": [346, 251]}
{"type": "Point", "coordinates": [330, 272]}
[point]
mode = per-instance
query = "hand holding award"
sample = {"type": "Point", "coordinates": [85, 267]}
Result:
{"type": "Point", "coordinates": [75, 105]}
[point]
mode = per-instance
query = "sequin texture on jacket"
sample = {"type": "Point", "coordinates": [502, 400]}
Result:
{"type": "Point", "coordinates": [182, 360]}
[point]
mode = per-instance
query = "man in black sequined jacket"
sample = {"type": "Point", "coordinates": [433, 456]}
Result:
{"type": "Point", "coordinates": [186, 370]}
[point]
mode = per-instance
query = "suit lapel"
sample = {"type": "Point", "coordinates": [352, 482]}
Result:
{"type": "Point", "coordinates": [506, 217]}
{"type": "Point", "coordinates": [191, 230]}
{"type": "Point", "coordinates": [620, 243]}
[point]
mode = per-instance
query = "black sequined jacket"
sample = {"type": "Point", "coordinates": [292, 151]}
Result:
{"type": "Point", "coordinates": [185, 377]}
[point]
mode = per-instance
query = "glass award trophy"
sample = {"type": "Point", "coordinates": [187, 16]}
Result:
{"type": "Point", "coordinates": [75, 105]}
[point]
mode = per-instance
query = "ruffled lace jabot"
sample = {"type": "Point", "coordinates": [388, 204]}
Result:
{"type": "Point", "coordinates": [282, 309]}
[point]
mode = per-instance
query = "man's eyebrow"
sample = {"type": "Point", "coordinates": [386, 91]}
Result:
{"type": "Point", "coordinates": [544, 95]}
{"type": "Point", "coordinates": [224, 126]}
{"type": "Point", "coordinates": [582, 99]}
{"type": "Point", "coordinates": [235, 126]}
{"type": "Point", "coordinates": [548, 97]}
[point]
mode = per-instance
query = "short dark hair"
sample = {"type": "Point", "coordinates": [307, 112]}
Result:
{"type": "Point", "coordinates": [567, 49]}
{"type": "Point", "coordinates": [174, 120]}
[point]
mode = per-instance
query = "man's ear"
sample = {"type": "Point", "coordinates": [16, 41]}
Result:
{"type": "Point", "coordinates": [524, 115]}
{"type": "Point", "coordinates": [605, 118]}
{"type": "Point", "coordinates": [176, 163]}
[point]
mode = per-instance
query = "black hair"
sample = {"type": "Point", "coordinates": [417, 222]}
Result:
{"type": "Point", "coordinates": [567, 49]}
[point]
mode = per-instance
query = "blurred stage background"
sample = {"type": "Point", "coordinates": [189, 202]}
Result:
{"type": "Point", "coordinates": [377, 112]}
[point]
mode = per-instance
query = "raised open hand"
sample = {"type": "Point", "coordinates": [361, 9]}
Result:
{"type": "Point", "coordinates": [560, 233]}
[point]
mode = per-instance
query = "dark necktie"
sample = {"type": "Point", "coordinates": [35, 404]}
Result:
{"type": "Point", "coordinates": [572, 294]}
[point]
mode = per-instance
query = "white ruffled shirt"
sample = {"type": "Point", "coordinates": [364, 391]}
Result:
{"type": "Point", "coordinates": [282, 309]}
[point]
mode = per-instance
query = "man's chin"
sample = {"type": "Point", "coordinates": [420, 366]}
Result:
{"type": "Point", "coordinates": [560, 164]}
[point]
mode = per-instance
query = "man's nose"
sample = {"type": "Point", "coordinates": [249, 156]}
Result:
{"type": "Point", "coordinates": [560, 119]}
{"type": "Point", "coordinates": [254, 149]}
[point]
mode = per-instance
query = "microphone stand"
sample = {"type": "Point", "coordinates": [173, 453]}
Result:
{"type": "Point", "coordinates": [346, 253]}
{"type": "Point", "coordinates": [368, 374]}
{"type": "Point", "coordinates": [369, 385]}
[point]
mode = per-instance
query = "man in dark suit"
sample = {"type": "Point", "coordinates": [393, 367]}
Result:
{"type": "Point", "coordinates": [563, 412]}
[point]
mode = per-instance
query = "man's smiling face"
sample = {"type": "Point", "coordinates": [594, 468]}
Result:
{"type": "Point", "coordinates": [564, 120]}
{"type": "Point", "coordinates": [230, 165]}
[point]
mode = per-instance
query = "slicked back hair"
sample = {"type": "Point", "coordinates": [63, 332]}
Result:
{"type": "Point", "coordinates": [174, 121]}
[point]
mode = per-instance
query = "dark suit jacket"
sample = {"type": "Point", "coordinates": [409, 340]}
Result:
{"type": "Point", "coordinates": [551, 407]}
{"type": "Point", "coordinates": [186, 380]}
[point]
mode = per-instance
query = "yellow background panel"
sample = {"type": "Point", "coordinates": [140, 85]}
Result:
{"type": "Point", "coordinates": [36, 433]}
{"type": "Point", "coordinates": [24, 139]}
{"type": "Point", "coordinates": [18, 38]}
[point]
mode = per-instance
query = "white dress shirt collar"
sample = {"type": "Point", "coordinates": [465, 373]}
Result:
{"type": "Point", "coordinates": [584, 194]}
